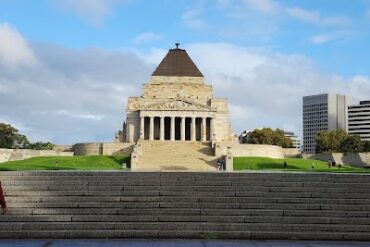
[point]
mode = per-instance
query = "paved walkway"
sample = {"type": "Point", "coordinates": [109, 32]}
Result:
{"type": "Point", "coordinates": [176, 243]}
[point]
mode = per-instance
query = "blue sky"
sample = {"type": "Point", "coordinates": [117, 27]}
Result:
{"type": "Point", "coordinates": [341, 27]}
{"type": "Point", "coordinates": [281, 50]}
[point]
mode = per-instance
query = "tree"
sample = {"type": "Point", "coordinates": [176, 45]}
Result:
{"type": "Point", "coordinates": [323, 142]}
{"type": "Point", "coordinates": [330, 141]}
{"type": "Point", "coordinates": [338, 141]}
{"type": "Point", "coordinates": [365, 147]}
{"type": "Point", "coordinates": [10, 138]}
{"type": "Point", "coordinates": [41, 146]}
{"type": "Point", "coordinates": [337, 137]}
{"type": "Point", "coordinates": [268, 136]}
{"type": "Point", "coordinates": [352, 144]}
{"type": "Point", "coordinates": [281, 140]}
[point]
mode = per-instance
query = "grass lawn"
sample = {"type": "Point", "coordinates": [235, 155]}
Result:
{"type": "Point", "coordinates": [67, 163]}
{"type": "Point", "coordinates": [261, 163]}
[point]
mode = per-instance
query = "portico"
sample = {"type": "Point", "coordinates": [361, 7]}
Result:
{"type": "Point", "coordinates": [176, 127]}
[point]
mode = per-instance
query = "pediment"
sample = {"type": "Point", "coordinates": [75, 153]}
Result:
{"type": "Point", "coordinates": [178, 105]}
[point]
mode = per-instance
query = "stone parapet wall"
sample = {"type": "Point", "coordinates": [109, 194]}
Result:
{"type": "Point", "coordinates": [173, 90]}
{"type": "Point", "coordinates": [292, 153]}
{"type": "Point", "coordinates": [21, 154]}
{"type": "Point", "coordinates": [353, 159]}
{"type": "Point", "coordinates": [103, 148]}
{"type": "Point", "coordinates": [177, 79]}
{"type": "Point", "coordinates": [63, 148]}
{"type": "Point", "coordinates": [249, 150]}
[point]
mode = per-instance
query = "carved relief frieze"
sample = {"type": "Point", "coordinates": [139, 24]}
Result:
{"type": "Point", "coordinates": [179, 105]}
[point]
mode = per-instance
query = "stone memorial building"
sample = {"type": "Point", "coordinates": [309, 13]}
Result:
{"type": "Point", "coordinates": [176, 105]}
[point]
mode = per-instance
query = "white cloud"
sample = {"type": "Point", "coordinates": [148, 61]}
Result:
{"type": "Point", "coordinates": [304, 15]}
{"type": "Point", "coordinates": [73, 95]}
{"type": "Point", "coordinates": [93, 11]}
{"type": "Point", "coordinates": [79, 115]}
{"type": "Point", "coordinates": [153, 57]}
{"type": "Point", "coordinates": [314, 17]}
{"type": "Point", "coordinates": [193, 18]}
{"type": "Point", "coordinates": [14, 50]}
{"type": "Point", "coordinates": [264, 6]}
{"type": "Point", "coordinates": [147, 37]}
{"type": "Point", "coordinates": [321, 38]}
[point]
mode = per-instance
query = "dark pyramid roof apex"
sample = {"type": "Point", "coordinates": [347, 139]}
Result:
{"type": "Point", "coordinates": [177, 63]}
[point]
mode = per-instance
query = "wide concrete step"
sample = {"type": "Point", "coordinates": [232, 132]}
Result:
{"type": "Point", "coordinates": [201, 182]}
{"type": "Point", "coordinates": [104, 199]}
{"type": "Point", "coordinates": [186, 218]}
{"type": "Point", "coordinates": [190, 211]}
{"type": "Point", "coordinates": [191, 188]}
{"type": "Point", "coordinates": [258, 235]}
{"type": "Point", "coordinates": [217, 178]}
{"type": "Point", "coordinates": [178, 226]}
{"type": "Point", "coordinates": [277, 194]}
{"type": "Point", "coordinates": [286, 176]}
{"type": "Point", "coordinates": [191, 205]}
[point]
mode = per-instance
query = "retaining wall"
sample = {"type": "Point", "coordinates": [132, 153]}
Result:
{"type": "Point", "coordinates": [21, 154]}
{"type": "Point", "coordinates": [353, 159]}
{"type": "Point", "coordinates": [250, 150]}
{"type": "Point", "coordinates": [103, 148]}
{"type": "Point", "coordinates": [291, 153]}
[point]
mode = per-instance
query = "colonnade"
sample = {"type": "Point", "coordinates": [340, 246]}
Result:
{"type": "Point", "coordinates": [176, 128]}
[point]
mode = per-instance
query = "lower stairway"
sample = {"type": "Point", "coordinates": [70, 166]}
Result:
{"type": "Point", "coordinates": [70, 204]}
{"type": "Point", "coordinates": [176, 156]}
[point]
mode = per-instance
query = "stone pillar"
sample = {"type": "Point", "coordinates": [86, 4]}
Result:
{"type": "Point", "coordinates": [229, 162]}
{"type": "Point", "coordinates": [182, 128]}
{"type": "Point", "coordinates": [193, 128]}
{"type": "Point", "coordinates": [172, 128]}
{"type": "Point", "coordinates": [204, 129]}
{"type": "Point", "coordinates": [151, 129]}
{"type": "Point", "coordinates": [212, 134]}
{"type": "Point", "coordinates": [162, 129]}
{"type": "Point", "coordinates": [142, 128]}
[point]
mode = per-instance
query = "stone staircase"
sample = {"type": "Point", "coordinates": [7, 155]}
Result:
{"type": "Point", "coordinates": [178, 155]}
{"type": "Point", "coordinates": [186, 205]}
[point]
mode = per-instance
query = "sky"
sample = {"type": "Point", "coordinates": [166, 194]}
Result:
{"type": "Point", "coordinates": [67, 67]}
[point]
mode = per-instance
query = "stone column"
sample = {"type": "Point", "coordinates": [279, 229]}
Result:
{"type": "Point", "coordinates": [151, 129]}
{"type": "Point", "coordinates": [204, 129]}
{"type": "Point", "coordinates": [182, 128]}
{"type": "Point", "coordinates": [142, 128]}
{"type": "Point", "coordinates": [162, 129]}
{"type": "Point", "coordinates": [172, 128]}
{"type": "Point", "coordinates": [212, 134]}
{"type": "Point", "coordinates": [193, 128]}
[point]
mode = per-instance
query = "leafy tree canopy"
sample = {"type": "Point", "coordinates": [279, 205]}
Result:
{"type": "Point", "coordinates": [41, 146]}
{"type": "Point", "coordinates": [10, 138]}
{"type": "Point", "coordinates": [338, 141]}
{"type": "Point", "coordinates": [268, 136]}
{"type": "Point", "coordinates": [365, 147]}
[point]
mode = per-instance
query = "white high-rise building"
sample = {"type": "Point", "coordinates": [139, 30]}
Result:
{"type": "Point", "coordinates": [359, 120]}
{"type": "Point", "coordinates": [295, 139]}
{"type": "Point", "coordinates": [323, 112]}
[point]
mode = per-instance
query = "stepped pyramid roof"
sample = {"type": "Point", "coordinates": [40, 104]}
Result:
{"type": "Point", "coordinates": [177, 63]}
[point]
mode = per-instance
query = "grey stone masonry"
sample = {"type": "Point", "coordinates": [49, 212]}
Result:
{"type": "Point", "coordinates": [306, 206]}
